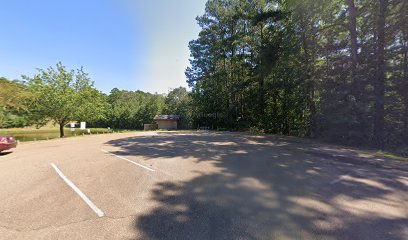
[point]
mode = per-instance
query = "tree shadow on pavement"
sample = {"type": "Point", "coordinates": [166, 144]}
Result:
{"type": "Point", "coordinates": [269, 187]}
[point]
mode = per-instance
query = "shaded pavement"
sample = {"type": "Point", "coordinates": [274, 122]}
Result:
{"type": "Point", "coordinates": [268, 187]}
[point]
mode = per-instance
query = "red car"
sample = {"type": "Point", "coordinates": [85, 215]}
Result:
{"type": "Point", "coordinates": [7, 142]}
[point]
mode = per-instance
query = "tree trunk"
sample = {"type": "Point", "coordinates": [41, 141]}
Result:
{"type": "Point", "coordinates": [405, 86]}
{"type": "Point", "coordinates": [354, 48]}
{"type": "Point", "coordinates": [309, 82]}
{"type": "Point", "coordinates": [403, 92]}
{"type": "Point", "coordinates": [356, 86]}
{"type": "Point", "coordinates": [61, 129]}
{"type": "Point", "coordinates": [262, 82]}
{"type": "Point", "coordinates": [379, 85]}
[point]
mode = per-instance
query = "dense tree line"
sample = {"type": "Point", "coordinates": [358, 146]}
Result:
{"type": "Point", "coordinates": [178, 101]}
{"type": "Point", "coordinates": [12, 110]}
{"type": "Point", "coordinates": [334, 69]}
{"type": "Point", "coordinates": [131, 109]}
{"type": "Point", "coordinates": [60, 96]}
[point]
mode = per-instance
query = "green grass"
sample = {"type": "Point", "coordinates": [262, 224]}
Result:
{"type": "Point", "coordinates": [391, 155]}
{"type": "Point", "coordinates": [32, 134]}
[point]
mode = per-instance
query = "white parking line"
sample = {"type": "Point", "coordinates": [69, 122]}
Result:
{"type": "Point", "coordinates": [81, 194]}
{"type": "Point", "coordinates": [120, 157]}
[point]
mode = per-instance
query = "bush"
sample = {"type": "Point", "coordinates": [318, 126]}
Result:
{"type": "Point", "coordinates": [256, 130]}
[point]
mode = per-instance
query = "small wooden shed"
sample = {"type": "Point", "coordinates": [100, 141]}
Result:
{"type": "Point", "coordinates": [169, 122]}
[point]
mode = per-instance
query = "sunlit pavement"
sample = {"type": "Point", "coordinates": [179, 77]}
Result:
{"type": "Point", "coordinates": [199, 185]}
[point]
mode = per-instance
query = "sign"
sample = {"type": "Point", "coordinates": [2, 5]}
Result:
{"type": "Point", "coordinates": [83, 125]}
{"type": "Point", "coordinates": [72, 125]}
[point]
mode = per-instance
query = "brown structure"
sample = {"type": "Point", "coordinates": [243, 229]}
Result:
{"type": "Point", "coordinates": [149, 127]}
{"type": "Point", "coordinates": [169, 122]}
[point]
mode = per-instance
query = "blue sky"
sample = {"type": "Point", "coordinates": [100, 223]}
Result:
{"type": "Point", "coordinates": [128, 44]}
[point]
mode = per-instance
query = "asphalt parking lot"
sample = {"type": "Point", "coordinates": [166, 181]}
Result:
{"type": "Point", "coordinates": [199, 185]}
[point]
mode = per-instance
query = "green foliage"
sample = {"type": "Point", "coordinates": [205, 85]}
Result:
{"type": "Point", "coordinates": [178, 102]}
{"type": "Point", "coordinates": [244, 68]}
{"type": "Point", "coordinates": [256, 130]}
{"type": "Point", "coordinates": [130, 110]}
{"type": "Point", "coordinates": [12, 93]}
{"type": "Point", "coordinates": [298, 68]}
{"type": "Point", "coordinates": [13, 120]}
{"type": "Point", "coordinates": [12, 110]}
{"type": "Point", "coordinates": [62, 96]}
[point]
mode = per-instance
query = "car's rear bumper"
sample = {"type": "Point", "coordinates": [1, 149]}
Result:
{"type": "Point", "coordinates": [7, 146]}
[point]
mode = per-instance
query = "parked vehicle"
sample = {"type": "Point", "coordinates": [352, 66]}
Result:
{"type": "Point", "coordinates": [7, 143]}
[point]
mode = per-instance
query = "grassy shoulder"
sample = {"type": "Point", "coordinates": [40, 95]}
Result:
{"type": "Point", "coordinates": [391, 155]}
{"type": "Point", "coordinates": [368, 151]}
{"type": "Point", "coordinates": [46, 133]}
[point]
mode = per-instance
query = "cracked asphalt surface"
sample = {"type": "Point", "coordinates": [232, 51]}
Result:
{"type": "Point", "coordinates": [204, 185]}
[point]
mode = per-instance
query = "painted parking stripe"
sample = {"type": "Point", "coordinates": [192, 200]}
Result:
{"type": "Point", "coordinates": [125, 159]}
{"type": "Point", "coordinates": [79, 192]}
